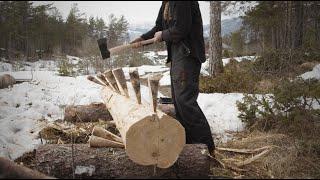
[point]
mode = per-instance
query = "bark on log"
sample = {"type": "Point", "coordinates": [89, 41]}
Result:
{"type": "Point", "coordinates": [56, 160]}
{"type": "Point", "coordinates": [10, 170]}
{"type": "Point", "coordinates": [149, 138]}
{"type": "Point", "coordinates": [87, 113]}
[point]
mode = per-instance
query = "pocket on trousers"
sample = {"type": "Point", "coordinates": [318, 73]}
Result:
{"type": "Point", "coordinates": [180, 50]}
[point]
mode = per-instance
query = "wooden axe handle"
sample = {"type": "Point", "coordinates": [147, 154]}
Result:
{"type": "Point", "coordinates": [117, 49]}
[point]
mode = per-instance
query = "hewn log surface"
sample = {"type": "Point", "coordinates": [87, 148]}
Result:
{"type": "Point", "coordinates": [149, 137]}
{"type": "Point", "coordinates": [56, 160]}
{"type": "Point", "coordinates": [87, 113]}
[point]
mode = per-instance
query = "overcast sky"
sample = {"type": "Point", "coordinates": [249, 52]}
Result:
{"type": "Point", "coordinates": [136, 12]}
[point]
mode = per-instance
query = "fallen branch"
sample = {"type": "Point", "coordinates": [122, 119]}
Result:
{"type": "Point", "coordinates": [243, 151]}
{"type": "Point", "coordinates": [254, 158]}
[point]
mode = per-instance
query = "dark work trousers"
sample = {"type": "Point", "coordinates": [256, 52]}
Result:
{"type": "Point", "coordinates": [185, 71]}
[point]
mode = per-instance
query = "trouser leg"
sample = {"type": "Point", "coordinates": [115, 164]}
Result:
{"type": "Point", "coordinates": [185, 73]}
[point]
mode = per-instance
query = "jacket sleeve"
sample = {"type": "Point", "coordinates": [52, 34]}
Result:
{"type": "Point", "coordinates": [156, 28]}
{"type": "Point", "coordinates": [182, 22]}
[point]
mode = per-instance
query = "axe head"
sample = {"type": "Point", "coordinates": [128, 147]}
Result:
{"type": "Point", "coordinates": [105, 53]}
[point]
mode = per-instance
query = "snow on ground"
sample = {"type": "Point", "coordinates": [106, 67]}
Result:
{"type": "Point", "coordinates": [159, 57]}
{"type": "Point", "coordinates": [27, 107]}
{"type": "Point", "coordinates": [24, 105]}
{"type": "Point", "coordinates": [73, 60]}
{"type": "Point", "coordinates": [239, 59]}
{"type": "Point", "coordinates": [221, 112]}
{"type": "Point", "coordinates": [5, 67]}
{"type": "Point", "coordinates": [165, 80]}
{"type": "Point", "coordinates": [225, 61]}
{"type": "Point", "coordinates": [45, 97]}
{"type": "Point", "coordinates": [162, 53]}
{"type": "Point", "coordinates": [315, 73]}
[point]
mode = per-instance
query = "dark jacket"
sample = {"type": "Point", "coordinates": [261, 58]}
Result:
{"type": "Point", "coordinates": [184, 27]}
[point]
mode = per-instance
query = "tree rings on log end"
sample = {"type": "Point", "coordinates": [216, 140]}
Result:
{"type": "Point", "coordinates": [155, 141]}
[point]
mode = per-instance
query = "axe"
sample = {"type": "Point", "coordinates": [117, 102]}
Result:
{"type": "Point", "coordinates": [106, 53]}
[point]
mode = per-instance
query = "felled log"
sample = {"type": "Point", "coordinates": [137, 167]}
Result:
{"type": "Point", "coordinates": [11, 170]}
{"type": "Point", "coordinates": [150, 138]}
{"type": "Point", "coordinates": [87, 113]}
{"type": "Point", "coordinates": [6, 80]}
{"type": "Point", "coordinates": [56, 160]}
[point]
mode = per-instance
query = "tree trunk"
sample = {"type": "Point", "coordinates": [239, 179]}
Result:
{"type": "Point", "coordinates": [298, 25]}
{"type": "Point", "coordinates": [216, 66]}
{"type": "Point", "coordinates": [56, 161]}
{"type": "Point", "coordinates": [150, 138]}
{"type": "Point", "coordinates": [87, 113]}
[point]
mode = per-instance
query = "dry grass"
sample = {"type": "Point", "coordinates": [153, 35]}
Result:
{"type": "Point", "coordinates": [285, 158]}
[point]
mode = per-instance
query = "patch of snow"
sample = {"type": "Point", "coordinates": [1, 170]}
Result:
{"type": "Point", "coordinates": [85, 170]}
{"type": "Point", "coordinates": [239, 59]}
{"type": "Point", "coordinates": [45, 97]}
{"type": "Point", "coordinates": [165, 80]}
{"type": "Point", "coordinates": [314, 74]}
{"type": "Point", "coordinates": [162, 53]}
{"type": "Point", "coordinates": [73, 59]}
{"type": "Point", "coordinates": [150, 54]}
{"type": "Point", "coordinates": [221, 112]}
{"type": "Point", "coordinates": [5, 66]}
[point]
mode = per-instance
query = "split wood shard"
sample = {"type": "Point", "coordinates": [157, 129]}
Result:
{"type": "Point", "coordinates": [101, 132]}
{"type": "Point", "coordinates": [149, 138]}
{"type": "Point", "coordinates": [121, 81]}
{"type": "Point", "coordinates": [135, 81]}
{"type": "Point", "coordinates": [93, 79]}
{"type": "Point", "coordinates": [153, 84]}
{"type": "Point", "coordinates": [112, 81]}
{"type": "Point", "coordinates": [95, 141]}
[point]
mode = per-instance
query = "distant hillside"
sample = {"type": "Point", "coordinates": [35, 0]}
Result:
{"type": "Point", "coordinates": [228, 26]}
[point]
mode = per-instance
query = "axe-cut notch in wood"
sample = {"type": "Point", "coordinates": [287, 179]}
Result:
{"type": "Point", "coordinates": [153, 85]}
{"type": "Point", "coordinates": [135, 81]}
{"type": "Point", "coordinates": [111, 80]}
{"type": "Point", "coordinates": [95, 80]}
{"type": "Point", "coordinates": [121, 81]}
